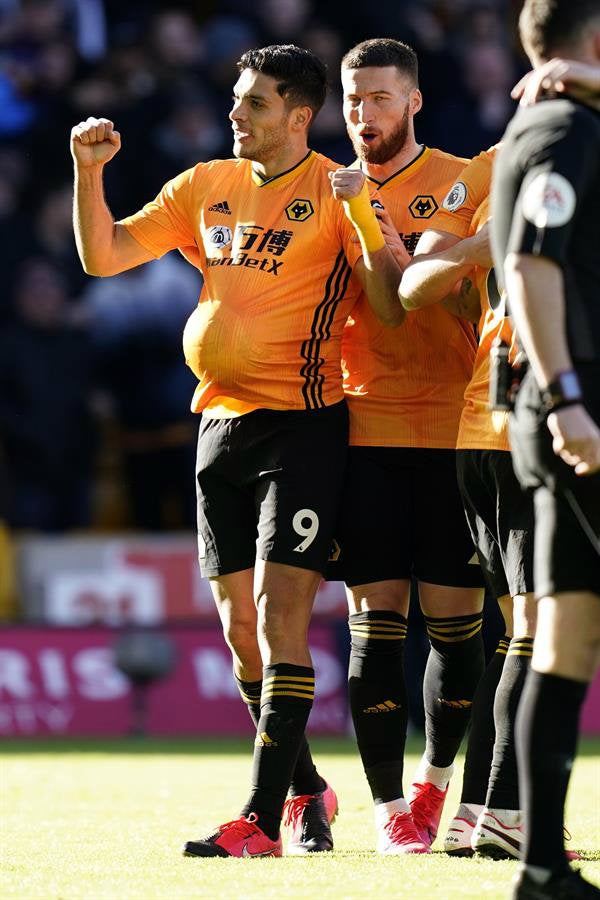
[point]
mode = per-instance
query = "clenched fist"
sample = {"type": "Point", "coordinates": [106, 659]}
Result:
{"type": "Point", "coordinates": [346, 183]}
{"type": "Point", "coordinates": [94, 142]}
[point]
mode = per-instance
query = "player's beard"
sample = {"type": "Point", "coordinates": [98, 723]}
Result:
{"type": "Point", "coordinates": [273, 142]}
{"type": "Point", "coordinates": [387, 148]}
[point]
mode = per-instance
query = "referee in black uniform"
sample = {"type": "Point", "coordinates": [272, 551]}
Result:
{"type": "Point", "coordinates": [545, 209]}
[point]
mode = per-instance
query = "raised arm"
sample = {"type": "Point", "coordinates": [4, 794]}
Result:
{"type": "Point", "coordinates": [378, 271]}
{"type": "Point", "coordinates": [104, 247]}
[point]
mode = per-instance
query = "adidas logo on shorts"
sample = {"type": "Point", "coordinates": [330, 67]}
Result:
{"type": "Point", "coordinates": [220, 208]}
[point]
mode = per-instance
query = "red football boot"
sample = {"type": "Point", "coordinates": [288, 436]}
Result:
{"type": "Point", "coordinates": [310, 816]}
{"type": "Point", "coordinates": [426, 804]}
{"type": "Point", "coordinates": [240, 837]}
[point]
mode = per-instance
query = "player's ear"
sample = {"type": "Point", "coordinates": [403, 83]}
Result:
{"type": "Point", "coordinates": [415, 101]}
{"type": "Point", "coordinates": [302, 117]}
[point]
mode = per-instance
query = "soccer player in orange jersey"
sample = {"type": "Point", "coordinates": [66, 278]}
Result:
{"type": "Point", "coordinates": [401, 514]}
{"type": "Point", "coordinates": [499, 513]}
{"type": "Point", "coordinates": [271, 231]}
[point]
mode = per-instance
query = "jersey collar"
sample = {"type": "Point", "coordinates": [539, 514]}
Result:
{"type": "Point", "coordinates": [407, 171]}
{"type": "Point", "coordinates": [283, 177]}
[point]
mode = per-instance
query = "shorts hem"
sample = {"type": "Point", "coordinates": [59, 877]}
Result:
{"type": "Point", "coordinates": [295, 564]}
{"type": "Point", "coordinates": [353, 582]}
{"type": "Point", "coordinates": [477, 580]}
{"type": "Point", "coordinates": [214, 570]}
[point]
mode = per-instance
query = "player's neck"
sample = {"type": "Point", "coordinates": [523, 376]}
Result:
{"type": "Point", "coordinates": [282, 162]}
{"type": "Point", "coordinates": [401, 160]}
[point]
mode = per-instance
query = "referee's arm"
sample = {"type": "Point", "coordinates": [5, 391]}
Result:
{"type": "Point", "coordinates": [537, 304]}
{"type": "Point", "coordinates": [533, 271]}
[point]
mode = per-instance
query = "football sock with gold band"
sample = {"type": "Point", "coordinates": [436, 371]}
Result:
{"type": "Point", "coordinates": [306, 779]}
{"type": "Point", "coordinates": [480, 746]}
{"type": "Point", "coordinates": [503, 791]}
{"type": "Point", "coordinates": [286, 701]}
{"type": "Point", "coordinates": [454, 667]}
{"type": "Point", "coordinates": [378, 698]}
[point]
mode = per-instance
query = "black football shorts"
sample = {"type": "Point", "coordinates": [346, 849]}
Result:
{"type": "Point", "coordinates": [268, 487]}
{"type": "Point", "coordinates": [401, 515]}
{"type": "Point", "coordinates": [567, 506]}
{"type": "Point", "coordinates": [500, 517]}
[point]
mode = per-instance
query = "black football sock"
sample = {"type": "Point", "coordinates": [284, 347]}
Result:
{"type": "Point", "coordinates": [378, 700]}
{"type": "Point", "coordinates": [306, 779]}
{"type": "Point", "coordinates": [454, 667]}
{"type": "Point", "coordinates": [286, 701]}
{"type": "Point", "coordinates": [480, 745]}
{"type": "Point", "coordinates": [250, 694]}
{"type": "Point", "coordinates": [547, 728]}
{"type": "Point", "coordinates": [503, 790]}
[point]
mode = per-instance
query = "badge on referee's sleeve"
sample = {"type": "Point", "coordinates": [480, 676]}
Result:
{"type": "Point", "coordinates": [549, 200]}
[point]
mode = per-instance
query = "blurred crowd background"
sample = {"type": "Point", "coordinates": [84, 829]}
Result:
{"type": "Point", "coordinates": [97, 443]}
{"type": "Point", "coordinates": [94, 394]}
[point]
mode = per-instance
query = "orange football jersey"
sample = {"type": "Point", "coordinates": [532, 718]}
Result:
{"type": "Point", "coordinates": [276, 256]}
{"type": "Point", "coordinates": [464, 212]}
{"type": "Point", "coordinates": [405, 385]}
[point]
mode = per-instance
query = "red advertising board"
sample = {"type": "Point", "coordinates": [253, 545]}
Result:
{"type": "Point", "coordinates": [64, 682]}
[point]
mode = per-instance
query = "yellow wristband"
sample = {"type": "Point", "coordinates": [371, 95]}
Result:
{"type": "Point", "coordinates": [361, 214]}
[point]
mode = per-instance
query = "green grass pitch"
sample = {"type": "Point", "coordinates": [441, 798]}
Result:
{"type": "Point", "coordinates": [106, 821]}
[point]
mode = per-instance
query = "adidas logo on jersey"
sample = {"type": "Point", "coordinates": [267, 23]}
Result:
{"type": "Point", "coordinates": [220, 208]}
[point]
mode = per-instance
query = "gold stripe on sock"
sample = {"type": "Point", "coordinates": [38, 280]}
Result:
{"type": "Point", "coordinates": [248, 699]}
{"type": "Point", "coordinates": [455, 627]}
{"type": "Point", "coordinates": [456, 638]}
{"type": "Point", "coordinates": [378, 637]}
{"type": "Point", "coordinates": [267, 696]}
{"type": "Point", "coordinates": [367, 632]}
{"type": "Point", "coordinates": [295, 678]}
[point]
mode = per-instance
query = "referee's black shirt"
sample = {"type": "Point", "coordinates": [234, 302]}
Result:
{"type": "Point", "coordinates": [546, 202]}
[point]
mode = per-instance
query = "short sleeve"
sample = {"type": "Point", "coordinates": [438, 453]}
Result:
{"type": "Point", "coordinates": [166, 222]}
{"type": "Point", "coordinates": [559, 165]}
{"type": "Point", "coordinates": [465, 196]}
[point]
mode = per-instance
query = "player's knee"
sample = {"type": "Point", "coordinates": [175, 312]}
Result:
{"type": "Point", "coordinates": [273, 625]}
{"type": "Point", "coordinates": [242, 639]}
{"type": "Point", "coordinates": [383, 596]}
{"type": "Point", "coordinates": [282, 630]}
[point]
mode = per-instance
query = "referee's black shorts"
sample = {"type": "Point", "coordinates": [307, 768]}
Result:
{"type": "Point", "coordinates": [567, 506]}
{"type": "Point", "coordinates": [401, 515]}
{"type": "Point", "coordinates": [500, 517]}
{"type": "Point", "coordinates": [268, 487]}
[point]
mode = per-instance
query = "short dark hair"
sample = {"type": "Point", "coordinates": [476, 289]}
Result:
{"type": "Point", "coordinates": [545, 26]}
{"type": "Point", "coordinates": [380, 52]}
{"type": "Point", "coordinates": [301, 76]}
